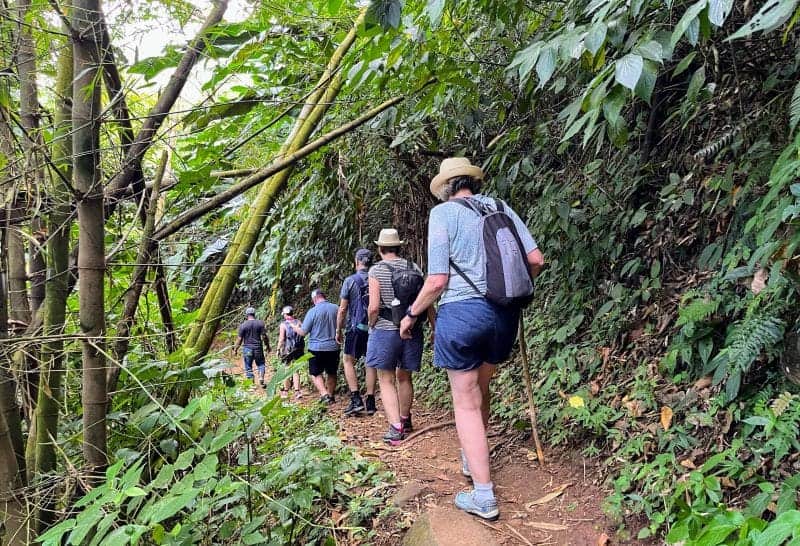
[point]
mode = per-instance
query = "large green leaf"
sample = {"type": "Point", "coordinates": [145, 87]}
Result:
{"type": "Point", "coordinates": [546, 65]}
{"type": "Point", "coordinates": [771, 15]}
{"type": "Point", "coordinates": [628, 69]}
{"type": "Point", "coordinates": [385, 13]}
{"type": "Point", "coordinates": [435, 9]}
{"type": "Point", "coordinates": [686, 21]}
{"type": "Point", "coordinates": [718, 11]}
{"type": "Point", "coordinates": [794, 110]}
{"type": "Point", "coordinates": [595, 37]}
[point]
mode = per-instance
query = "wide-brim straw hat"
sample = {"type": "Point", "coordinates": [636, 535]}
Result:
{"type": "Point", "coordinates": [451, 168]}
{"type": "Point", "coordinates": [389, 237]}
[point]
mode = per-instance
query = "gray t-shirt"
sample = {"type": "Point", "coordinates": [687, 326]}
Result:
{"type": "Point", "coordinates": [383, 275]}
{"type": "Point", "coordinates": [320, 327]}
{"type": "Point", "coordinates": [453, 233]}
{"type": "Point", "coordinates": [350, 292]}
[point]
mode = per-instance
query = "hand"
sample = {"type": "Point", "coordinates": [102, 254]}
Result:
{"type": "Point", "coordinates": [235, 351]}
{"type": "Point", "coordinates": [339, 337]}
{"type": "Point", "coordinates": [405, 327]}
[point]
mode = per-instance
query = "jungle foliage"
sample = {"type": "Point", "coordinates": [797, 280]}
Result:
{"type": "Point", "coordinates": [651, 145]}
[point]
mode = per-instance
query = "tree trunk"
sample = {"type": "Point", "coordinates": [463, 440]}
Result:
{"type": "Point", "coordinates": [86, 20]}
{"type": "Point", "coordinates": [33, 180]}
{"type": "Point", "coordinates": [165, 308]}
{"type": "Point", "coordinates": [137, 280]}
{"type": "Point", "coordinates": [51, 391]}
{"type": "Point", "coordinates": [225, 280]}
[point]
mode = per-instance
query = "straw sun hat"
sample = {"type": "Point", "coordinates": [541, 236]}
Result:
{"type": "Point", "coordinates": [451, 168]}
{"type": "Point", "coordinates": [389, 237]}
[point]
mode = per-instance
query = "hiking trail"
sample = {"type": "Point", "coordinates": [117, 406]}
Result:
{"type": "Point", "coordinates": [555, 504]}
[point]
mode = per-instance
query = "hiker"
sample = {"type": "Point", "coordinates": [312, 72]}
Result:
{"type": "Point", "coordinates": [319, 325]}
{"type": "Point", "coordinates": [290, 347]}
{"type": "Point", "coordinates": [479, 309]}
{"type": "Point", "coordinates": [352, 321]}
{"type": "Point", "coordinates": [394, 283]}
{"type": "Point", "coordinates": [251, 333]}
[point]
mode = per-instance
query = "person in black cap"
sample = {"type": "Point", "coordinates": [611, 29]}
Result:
{"type": "Point", "coordinates": [352, 332]}
{"type": "Point", "coordinates": [251, 333]}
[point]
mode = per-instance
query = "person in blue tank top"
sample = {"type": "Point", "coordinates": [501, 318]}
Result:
{"type": "Point", "coordinates": [290, 347]}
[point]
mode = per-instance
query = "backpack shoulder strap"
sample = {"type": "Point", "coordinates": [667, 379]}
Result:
{"type": "Point", "coordinates": [465, 277]}
{"type": "Point", "coordinates": [466, 203]}
{"type": "Point", "coordinates": [499, 205]}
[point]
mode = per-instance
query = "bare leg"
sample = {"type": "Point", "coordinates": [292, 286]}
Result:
{"type": "Point", "coordinates": [319, 383]}
{"type": "Point", "coordinates": [330, 384]}
{"type": "Point", "coordinates": [296, 381]}
{"type": "Point", "coordinates": [485, 374]}
{"type": "Point", "coordinates": [467, 399]}
{"type": "Point", "coordinates": [391, 407]}
{"type": "Point", "coordinates": [350, 372]}
{"type": "Point", "coordinates": [372, 380]}
{"type": "Point", "coordinates": [405, 391]}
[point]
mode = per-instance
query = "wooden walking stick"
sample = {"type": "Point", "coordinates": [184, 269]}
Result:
{"type": "Point", "coordinates": [526, 373]}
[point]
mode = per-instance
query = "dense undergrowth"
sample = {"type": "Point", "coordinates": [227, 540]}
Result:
{"type": "Point", "coordinates": [231, 467]}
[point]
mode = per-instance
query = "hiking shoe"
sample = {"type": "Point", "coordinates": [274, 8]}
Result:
{"type": "Point", "coordinates": [298, 394]}
{"type": "Point", "coordinates": [263, 384]}
{"type": "Point", "coordinates": [464, 465]}
{"type": "Point", "coordinates": [326, 399]}
{"type": "Point", "coordinates": [393, 436]}
{"type": "Point", "coordinates": [467, 502]}
{"type": "Point", "coordinates": [355, 406]}
{"type": "Point", "coordinates": [407, 426]}
{"type": "Point", "coordinates": [369, 405]}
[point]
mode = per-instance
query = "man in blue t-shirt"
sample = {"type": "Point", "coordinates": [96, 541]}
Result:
{"type": "Point", "coordinates": [352, 322]}
{"type": "Point", "coordinates": [251, 333]}
{"type": "Point", "coordinates": [319, 325]}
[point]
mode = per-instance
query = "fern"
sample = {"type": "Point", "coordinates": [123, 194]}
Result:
{"type": "Point", "coordinates": [747, 340]}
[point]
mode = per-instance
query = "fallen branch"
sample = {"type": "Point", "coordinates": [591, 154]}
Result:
{"type": "Point", "coordinates": [222, 197]}
{"type": "Point", "coordinates": [425, 430]}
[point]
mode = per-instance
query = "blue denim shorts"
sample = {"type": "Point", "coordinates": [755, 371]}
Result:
{"type": "Point", "coordinates": [471, 332]}
{"type": "Point", "coordinates": [386, 351]}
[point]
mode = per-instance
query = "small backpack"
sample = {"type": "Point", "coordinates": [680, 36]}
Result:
{"type": "Point", "coordinates": [508, 277]}
{"type": "Point", "coordinates": [292, 342]}
{"type": "Point", "coordinates": [358, 318]}
{"type": "Point", "coordinates": [406, 283]}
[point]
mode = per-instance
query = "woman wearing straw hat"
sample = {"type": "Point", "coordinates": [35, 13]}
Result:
{"type": "Point", "coordinates": [473, 334]}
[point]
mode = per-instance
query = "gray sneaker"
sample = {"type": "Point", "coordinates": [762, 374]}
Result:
{"type": "Point", "coordinates": [393, 436]}
{"type": "Point", "coordinates": [467, 502]}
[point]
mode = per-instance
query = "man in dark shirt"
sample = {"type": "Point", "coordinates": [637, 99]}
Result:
{"type": "Point", "coordinates": [251, 333]}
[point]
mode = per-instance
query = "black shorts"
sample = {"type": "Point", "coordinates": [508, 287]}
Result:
{"type": "Point", "coordinates": [355, 343]}
{"type": "Point", "coordinates": [323, 361]}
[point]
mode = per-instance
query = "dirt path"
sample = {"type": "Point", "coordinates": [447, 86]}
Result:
{"type": "Point", "coordinates": [557, 504]}
{"type": "Point", "coordinates": [431, 461]}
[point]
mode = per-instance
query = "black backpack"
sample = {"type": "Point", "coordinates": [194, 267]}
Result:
{"type": "Point", "coordinates": [508, 277]}
{"type": "Point", "coordinates": [406, 285]}
{"type": "Point", "coordinates": [361, 304]}
{"type": "Point", "coordinates": [292, 342]}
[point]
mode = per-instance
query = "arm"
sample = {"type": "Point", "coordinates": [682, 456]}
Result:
{"type": "Point", "coordinates": [340, 316]}
{"type": "Point", "coordinates": [431, 290]}
{"type": "Point", "coordinates": [237, 344]}
{"type": "Point", "coordinates": [374, 301]}
{"type": "Point", "coordinates": [299, 330]}
{"type": "Point", "coordinates": [535, 262]}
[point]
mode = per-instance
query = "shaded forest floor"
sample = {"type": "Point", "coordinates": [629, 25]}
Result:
{"type": "Point", "coordinates": [558, 503]}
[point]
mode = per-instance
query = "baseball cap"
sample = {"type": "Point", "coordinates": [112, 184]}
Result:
{"type": "Point", "coordinates": [363, 255]}
{"type": "Point", "coordinates": [287, 310]}
{"type": "Point", "coordinates": [250, 311]}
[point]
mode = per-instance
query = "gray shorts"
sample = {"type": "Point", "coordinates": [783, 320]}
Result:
{"type": "Point", "coordinates": [386, 351]}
